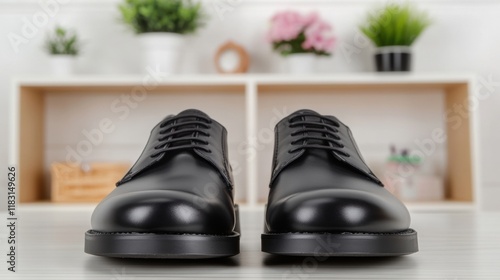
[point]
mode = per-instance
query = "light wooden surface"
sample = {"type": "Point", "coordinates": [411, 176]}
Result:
{"type": "Point", "coordinates": [459, 143]}
{"type": "Point", "coordinates": [32, 140]}
{"type": "Point", "coordinates": [456, 245]}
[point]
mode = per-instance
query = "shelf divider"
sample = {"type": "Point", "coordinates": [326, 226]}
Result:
{"type": "Point", "coordinates": [251, 160]}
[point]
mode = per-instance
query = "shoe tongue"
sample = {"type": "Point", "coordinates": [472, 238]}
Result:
{"type": "Point", "coordinates": [303, 112]}
{"type": "Point", "coordinates": [193, 112]}
{"type": "Point", "coordinates": [190, 115]}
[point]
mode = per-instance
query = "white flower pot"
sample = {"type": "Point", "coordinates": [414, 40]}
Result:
{"type": "Point", "coordinates": [301, 63]}
{"type": "Point", "coordinates": [161, 49]}
{"type": "Point", "coordinates": [62, 65]}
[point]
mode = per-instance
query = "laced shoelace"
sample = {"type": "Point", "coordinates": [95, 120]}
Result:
{"type": "Point", "coordinates": [322, 132]}
{"type": "Point", "coordinates": [183, 135]}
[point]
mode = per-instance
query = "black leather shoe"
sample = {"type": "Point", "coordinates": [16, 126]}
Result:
{"type": "Point", "coordinates": [177, 199]}
{"type": "Point", "coordinates": [324, 200]}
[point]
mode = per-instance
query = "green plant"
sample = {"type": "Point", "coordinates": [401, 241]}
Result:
{"type": "Point", "coordinates": [177, 16]}
{"type": "Point", "coordinates": [62, 42]}
{"type": "Point", "coordinates": [395, 25]}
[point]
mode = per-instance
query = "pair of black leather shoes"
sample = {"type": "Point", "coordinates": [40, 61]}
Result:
{"type": "Point", "coordinates": [177, 199]}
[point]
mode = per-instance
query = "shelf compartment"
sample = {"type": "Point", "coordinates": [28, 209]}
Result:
{"type": "Point", "coordinates": [27, 122]}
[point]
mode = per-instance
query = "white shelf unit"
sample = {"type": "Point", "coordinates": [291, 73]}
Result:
{"type": "Point", "coordinates": [27, 118]}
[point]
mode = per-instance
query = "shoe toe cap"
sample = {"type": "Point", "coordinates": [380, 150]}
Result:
{"type": "Point", "coordinates": [338, 210]}
{"type": "Point", "coordinates": [162, 211]}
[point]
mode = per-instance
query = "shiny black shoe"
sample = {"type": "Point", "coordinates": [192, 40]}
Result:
{"type": "Point", "coordinates": [177, 199]}
{"type": "Point", "coordinates": [324, 200]}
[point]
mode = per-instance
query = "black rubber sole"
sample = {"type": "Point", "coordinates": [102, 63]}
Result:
{"type": "Point", "coordinates": [162, 246]}
{"type": "Point", "coordinates": [341, 244]}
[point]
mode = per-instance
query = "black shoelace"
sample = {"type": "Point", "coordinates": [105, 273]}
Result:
{"type": "Point", "coordinates": [316, 134]}
{"type": "Point", "coordinates": [183, 133]}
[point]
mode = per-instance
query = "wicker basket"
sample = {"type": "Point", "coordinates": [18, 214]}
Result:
{"type": "Point", "coordinates": [86, 183]}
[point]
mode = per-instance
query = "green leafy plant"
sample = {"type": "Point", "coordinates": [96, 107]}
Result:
{"type": "Point", "coordinates": [395, 25]}
{"type": "Point", "coordinates": [177, 16]}
{"type": "Point", "coordinates": [62, 42]}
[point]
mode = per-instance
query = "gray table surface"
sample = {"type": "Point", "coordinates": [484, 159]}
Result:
{"type": "Point", "coordinates": [459, 245]}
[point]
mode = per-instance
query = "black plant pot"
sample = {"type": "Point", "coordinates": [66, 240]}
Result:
{"type": "Point", "coordinates": [393, 59]}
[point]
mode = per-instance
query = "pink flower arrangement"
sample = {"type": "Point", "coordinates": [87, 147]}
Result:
{"type": "Point", "coordinates": [292, 32]}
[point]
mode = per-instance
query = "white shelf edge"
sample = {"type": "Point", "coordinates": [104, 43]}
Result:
{"type": "Point", "coordinates": [243, 79]}
{"type": "Point", "coordinates": [251, 115]}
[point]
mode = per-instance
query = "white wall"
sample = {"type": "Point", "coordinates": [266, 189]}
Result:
{"type": "Point", "coordinates": [463, 38]}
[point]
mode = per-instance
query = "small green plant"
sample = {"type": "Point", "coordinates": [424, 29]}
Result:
{"type": "Point", "coordinates": [177, 16]}
{"type": "Point", "coordinates": [62, 42]}
{"type": "Point", "coordinates": [395, 25]}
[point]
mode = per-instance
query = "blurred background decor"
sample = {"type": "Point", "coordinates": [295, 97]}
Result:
{"type": "Point", "coordinates": [85, 182]}
{"type": "Point", "coordinates": [232, 58]}
{"type": "Point", "coordinates": [300, 39]}
{"type": "Point", "coordinates": [63, 47]}
{"type": "Point", "coordinates": [443, 110]}
{"type": "Point", "coordinates": [393, 29]}
{"type": "Point", "coordinates": [409, 108]}
{"type": "Point", "coordinates": [411, 178]}
{"type": "Point", "coordinates": [161, 26]}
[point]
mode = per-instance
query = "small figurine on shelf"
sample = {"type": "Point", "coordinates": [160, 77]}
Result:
{"type": "Point", "coordinates": [407, 177]}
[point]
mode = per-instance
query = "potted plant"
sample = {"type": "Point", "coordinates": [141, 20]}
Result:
{"type": "Point", "coordinates": [300, 39]}
{"type": "Point", "coordinates": [393, 29]}
{"type": "Point", "coordinates": [63, 47]}
{"type": "Point", "coordinates": [161, 25]}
